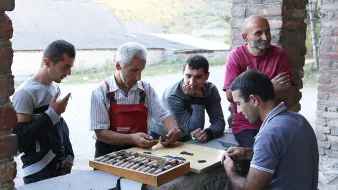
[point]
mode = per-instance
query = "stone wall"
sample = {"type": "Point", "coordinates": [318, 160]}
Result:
{"type": "Point", "coordinates": [288, 30]}
{"type": "Point", "coordinates": [211, 180]}
{"type": "Point", "coordinates": [327, 104]}
{"type": "Point", "coordinates": [8, 141]}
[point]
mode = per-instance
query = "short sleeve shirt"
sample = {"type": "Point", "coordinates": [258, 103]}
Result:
{"type": "Point", "coordinates": [286, 146]}
{"type": "Point", "coordinates": [273, 62]}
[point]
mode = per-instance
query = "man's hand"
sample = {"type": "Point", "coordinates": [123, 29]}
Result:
{"type": "Point", "coordinates": [237, 153]}
{"type": "Point", "coordinates": [228, 163]}
{"type": "Point", "coordinates": [143, 140]}
{"type": "Point", "coordinates": [172, 136]}
{"type": "Point", "coordinates": [281, 79]}
{"type": "Point", "coordinates": [59, 106]}
{"type": "Point", "coordinates": [67, 168]}
{"type": "Point", "coordinates": [64, 167]}
{"type": "Point", "coordinates": [191, 91]}
{"type": "Point", "coordinates": [200, 135]}
{"type": "Point", "coordinates": [283, 87]}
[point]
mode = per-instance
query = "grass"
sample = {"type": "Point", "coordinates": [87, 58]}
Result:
{"type": "Point", "coordinates": [91, 75]}
{"type": "Point", "coordinates": [310, 76]}
{"type": "Point", "coordinates": [170, 67]}
{"type": "Point", "coordinates": [99, 74]}
{"type": "Point", "coordinates": [173, 16]}
{"type": "Point", "coordinates": [94, 75]}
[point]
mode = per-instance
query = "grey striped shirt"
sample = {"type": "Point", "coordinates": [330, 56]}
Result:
{"type": "Point", "coordinates": [100, 104]}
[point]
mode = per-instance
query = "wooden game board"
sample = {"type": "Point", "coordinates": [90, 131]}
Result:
{"type": "Point", "coordinates": [144, 177]}
{"type": "Point", "coordinates": [210, 155]}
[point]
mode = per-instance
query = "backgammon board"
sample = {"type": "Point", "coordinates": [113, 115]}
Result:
{"type": "Point", "coordinates": [201, 158]}
{"type": "Point", "coordinates": [148, 169]}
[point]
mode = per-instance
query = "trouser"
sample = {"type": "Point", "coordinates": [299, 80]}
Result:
{"type": "Point", "coordinates": [47, 172]}
{"type": "Point", "coordinates": [103, 148]}
{"type": "Point", "coordinates": [245, 139]}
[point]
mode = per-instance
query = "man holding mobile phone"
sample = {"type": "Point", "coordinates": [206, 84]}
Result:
{"type": "Point", "coordinates": [43, 135]}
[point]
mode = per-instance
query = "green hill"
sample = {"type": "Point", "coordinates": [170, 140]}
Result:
{"type": "Point", "coordinates": [173, 16]}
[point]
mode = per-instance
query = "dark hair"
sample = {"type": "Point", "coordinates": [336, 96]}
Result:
{"type": "Point", "coordinates": [196, 62]}
{"type": "Point", "coordinates": [253, 82]}
{"type": "Point", "coordinates": [56, 49]}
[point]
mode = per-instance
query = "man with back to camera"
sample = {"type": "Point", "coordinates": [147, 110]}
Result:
{"type": "Point", "coordinates": [257, 54]}
{"type": "Point", "coordinates": [43, 135]}
{"type": "Point", "coordinates": [285, 151]}
{"type": "Point", "coordinates": [123, 106]}
{"type": "Point", "coordinates": [189, 98]}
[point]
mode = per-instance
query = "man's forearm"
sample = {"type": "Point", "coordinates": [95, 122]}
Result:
{"type": "Point", "coordinates": [217, 126]}
{"type": "Point", "coordinates": [194, 120]}
{"type": "Point", "coordinates": [169, 123]}
{"type": "Point", "coordinates": [188, 115]}
{"type": "Point", "coordinates": [238, 182]}
{"type": "Point", "coordinates": [282, 92]}
{"type": "Point", "coordinates": [228, 93]}
{"type": "Point", "coordinates": [29, 132]}
{"type": "Point", "coordinates": [113, 138]}
{"type": "Point", "coordinates": [68, 149]}
{"type": "Point", "coordinates": [215, 112]}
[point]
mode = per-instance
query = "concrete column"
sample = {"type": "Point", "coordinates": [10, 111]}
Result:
{"type": "Point", "coordinates": [327, 104]}
{"type": "Point", "coordinates": [8, 141]}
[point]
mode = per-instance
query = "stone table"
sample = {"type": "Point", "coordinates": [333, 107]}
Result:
{"type": "Point", "coordinates": [97, 180]}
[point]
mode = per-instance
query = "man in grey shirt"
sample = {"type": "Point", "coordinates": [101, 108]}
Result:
{"type": "Point", "coordinates": [188, 99]}
{"type": "Point", "coordinates": [285, 152]}
{"type": "Point", "coordinates": [43, 134]}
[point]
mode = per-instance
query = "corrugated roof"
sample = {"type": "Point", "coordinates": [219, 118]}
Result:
{"type": "Point", "coordinates": [193, 41]}
{"type": "Point", "coordinates": [133, 27]}
{"type": "Point", "coordinates": [169, 45]}
{"type": "Point", "coordinates": [88, 26]}
{"type": "Point", "coordinates": [78, 1]}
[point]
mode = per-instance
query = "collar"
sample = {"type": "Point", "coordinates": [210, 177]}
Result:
{"type": "Point", "coordinates": [114, 87]}
{"type": "Point", "coordinates": [277, 110]}
{"type": "Point", "coordinates": [138, 85]}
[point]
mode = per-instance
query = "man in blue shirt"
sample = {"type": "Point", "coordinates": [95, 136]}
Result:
{"type": "Point", "coordinates": [189, 98]}
{"type": "Point", "coordinates": [285, 152]}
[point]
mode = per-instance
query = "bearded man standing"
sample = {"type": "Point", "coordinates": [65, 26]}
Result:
{"type": "Point", "coordinates": [257, 54]}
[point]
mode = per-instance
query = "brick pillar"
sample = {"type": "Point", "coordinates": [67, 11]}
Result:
{"type": "Point", "coordinates": [288, 30]}
{"type": "Point", "coordinates": [327, 104]}
{"type": "Point", "coordinates": [8, 141]}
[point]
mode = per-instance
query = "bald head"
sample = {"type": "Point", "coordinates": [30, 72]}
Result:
{"type": "Point", "coordinates": [256, 34]}
{"type": "Point", "coordinates": [253, 22]}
